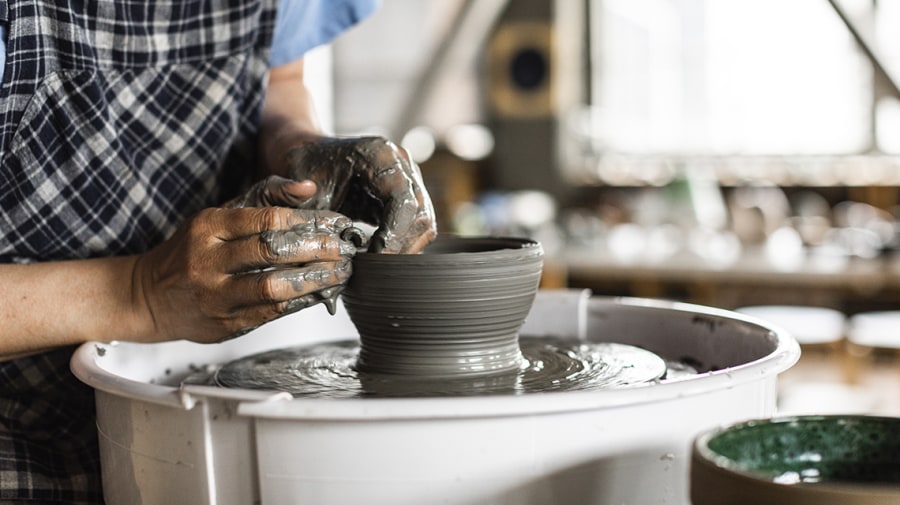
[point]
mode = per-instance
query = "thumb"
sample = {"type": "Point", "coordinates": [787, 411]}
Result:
{"type": "Point", "coordinates": [276, 191]}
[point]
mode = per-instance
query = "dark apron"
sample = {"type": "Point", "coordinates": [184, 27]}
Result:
{"type": "Point", "coordinates": [118, 119]}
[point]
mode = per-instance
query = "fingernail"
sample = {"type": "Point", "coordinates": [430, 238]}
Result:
{"type": "Point", "coordinates": [306, 184]}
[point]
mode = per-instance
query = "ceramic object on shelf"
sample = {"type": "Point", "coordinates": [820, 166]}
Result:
{"type": "Point", "coordinates": [453, 311]}
{"type": "Point", "coordinates": [800, 460]}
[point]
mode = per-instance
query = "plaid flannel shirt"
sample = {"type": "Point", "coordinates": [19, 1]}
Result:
{"type": "Point", "coordinates": [117, 120]}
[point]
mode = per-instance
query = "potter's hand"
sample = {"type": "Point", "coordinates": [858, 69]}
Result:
{"type": "Point", "coordinates": [372, 180]}
{"type": "Point", "coordinates": [228, 270]}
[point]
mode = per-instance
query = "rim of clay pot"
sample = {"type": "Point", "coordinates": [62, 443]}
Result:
{"type": "Point", "coordinates": [712, 470]}
{"type": "Point", "coordinates": [478, 249]}
{"type": "Point", "coordinates": [453, 311]}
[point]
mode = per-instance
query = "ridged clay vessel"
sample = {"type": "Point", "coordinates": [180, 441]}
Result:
{"type": "Point", "coordinates": [453, 311]}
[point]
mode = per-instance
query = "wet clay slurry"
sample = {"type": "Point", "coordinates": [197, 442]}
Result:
{"type": "Point", "coordinates": [453, 311]}
{"type": "Point", "coordinates": [329, 371]}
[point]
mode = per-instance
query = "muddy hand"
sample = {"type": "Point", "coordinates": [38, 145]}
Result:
{"type": "Point", "coordinates": [228, 270]}
{"type": "Point", "coordinates": [372, 180]}
{"type": "Point", "coordinates": [278, 191]}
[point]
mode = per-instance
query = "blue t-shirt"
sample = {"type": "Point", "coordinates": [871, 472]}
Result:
{"type": "Point", "coordinates": [300, 25]}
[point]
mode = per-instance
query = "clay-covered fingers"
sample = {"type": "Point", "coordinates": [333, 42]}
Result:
{"type": "Point", "coordinates": [307, 237]}
{"type": "Point", "coordinates": [369, 179]}
{"type": "Point", "coordinates": [226, 224]}
{"type": "Point", "coordinates": [288, 264]}
{"type": "Point", "coordinates": [229, 270]}
{"type": "Point", "coordinates": [408, 221]}
{"type": "Point", "coordinates": [262, 296]}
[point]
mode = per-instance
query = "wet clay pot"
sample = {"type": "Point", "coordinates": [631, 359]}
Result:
{"type": "Point", "coordinates": [453, 311]}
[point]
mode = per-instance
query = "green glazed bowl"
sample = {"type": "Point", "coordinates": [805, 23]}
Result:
{"type": "Point", "coordinates": [821, 460]}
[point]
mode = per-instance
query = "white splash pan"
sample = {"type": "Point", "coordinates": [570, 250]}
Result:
{"type": "Point", "coordinates": [163, 444]}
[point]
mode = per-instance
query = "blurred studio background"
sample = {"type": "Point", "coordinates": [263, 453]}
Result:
{"type": "Point", "coordinates": [732, 153]}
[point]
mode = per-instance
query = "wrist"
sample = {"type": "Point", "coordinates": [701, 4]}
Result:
{"type": "Point", "coordinates": [280, 140]}
{"type": "Point", "coordinates": [141, 320]}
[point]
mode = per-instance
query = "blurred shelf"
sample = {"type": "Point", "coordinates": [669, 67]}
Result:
{"type": "Point", "coordinates": [624, 169]}
{"type": "Point", "coordinates": [850, 284]}
{"type": "Point", "coordinates": [750, 267]}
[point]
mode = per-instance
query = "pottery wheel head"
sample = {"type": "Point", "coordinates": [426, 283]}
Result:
{"type": "Point", "coordinates": [550, 365]}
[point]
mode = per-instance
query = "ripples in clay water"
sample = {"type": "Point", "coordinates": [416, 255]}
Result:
{"type": "Point", "coordinates": [328, 371]}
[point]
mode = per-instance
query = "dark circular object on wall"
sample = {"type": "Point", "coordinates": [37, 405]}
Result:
{"type": "Point", "coordinates": [529, 69]}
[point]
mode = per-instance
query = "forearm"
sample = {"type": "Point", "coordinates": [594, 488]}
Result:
{"type": "Point", "coordinates": [288, 118]}
{"type": "Point", "coordinates": [51, 304]}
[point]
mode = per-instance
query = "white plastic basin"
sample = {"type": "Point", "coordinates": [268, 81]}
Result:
{"type": "Point", "coordinates": [162, 444]}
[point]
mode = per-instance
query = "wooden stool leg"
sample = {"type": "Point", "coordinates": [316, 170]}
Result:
{"type": "Point", "coordinates": [856, 356]}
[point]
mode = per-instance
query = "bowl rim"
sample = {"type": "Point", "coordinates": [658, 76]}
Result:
{"type": "Point", "coordinates": [505, 245]}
